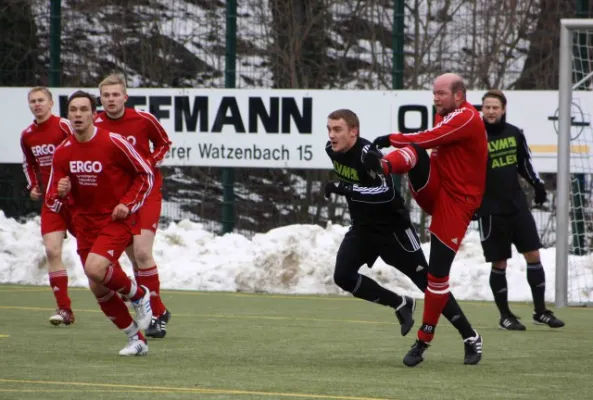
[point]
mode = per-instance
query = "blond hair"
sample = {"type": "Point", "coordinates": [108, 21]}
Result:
{"type": "Point", "coordinates": [114, 79]}
{"type": "Point", "coordinates": [41, 89]}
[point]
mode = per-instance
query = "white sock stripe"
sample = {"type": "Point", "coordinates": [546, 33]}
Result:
{"type": "Point", "coordinates": [150, 272]}
{"type": "Point", "coordinates": [56, 274]}
{"type": "Point", "coordinates": [438, 291]}
{"type": "Point", "coordinates": [438, 284]}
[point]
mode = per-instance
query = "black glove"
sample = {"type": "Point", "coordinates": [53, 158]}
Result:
{"type": "Point", "coordinates": [541, 196]}
{"type": "Point", "coordinates": [371, 159]}
{"type": "Point", "coordinates": [339, 188]}
{"type": "Point", "coordinates": [382, 142]}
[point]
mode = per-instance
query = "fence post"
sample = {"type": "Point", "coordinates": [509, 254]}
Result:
{"type": "Point", "coordinates": [230, 66]}
{"type": "Point", "coordinates": [397, 62]}
{"type": "Point", "coordinates": [55, 38]}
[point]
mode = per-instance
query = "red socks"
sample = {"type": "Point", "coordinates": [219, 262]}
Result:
{"type": "Point", "coordinates": [400, 161]}
{"type": "Point", "coordinates": [116, 279]}
{"type": "Point", "coordinates": [435, 299]}
{"type": "Point", "coordinates": [150, 278]}
{"type": "Point", "coordinates": [116, 310]}
{"type": "Point", "coordinates": [58, 281]}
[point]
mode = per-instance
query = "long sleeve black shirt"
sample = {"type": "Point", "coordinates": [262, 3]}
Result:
{"type": "Point", "coordinates": [374, 201]}
{"type": "Point", "coordinates": [508, 157]}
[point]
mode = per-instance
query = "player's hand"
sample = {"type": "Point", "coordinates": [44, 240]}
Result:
{"type": "Point", "coordinates": [35, 193]}
{"type": "Point", "coordinates": [339, 188]}
{"type": "Point", "coordinates": [121, 211]}
{"type": "Point", "coordinates": [371, 159]}
{"type": "Point", "coordinates": [64, 187]}
{"type": "Point", "coordinates": [541, 196]}
{"type": "Point", "coordinates": [382, 142]}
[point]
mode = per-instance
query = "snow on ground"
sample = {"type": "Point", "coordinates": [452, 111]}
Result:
{"type": "Point", "coordinates": [295, 259]}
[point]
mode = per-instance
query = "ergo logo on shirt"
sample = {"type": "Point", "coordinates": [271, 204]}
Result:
{"type": "Point", "coordinates": [43, 150]}
{"type": "Point", "coordinates": [88, 167]}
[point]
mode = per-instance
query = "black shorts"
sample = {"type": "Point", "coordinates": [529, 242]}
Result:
{"type": "Point", "coordinates": [499, 232]}
{"type": "Point", "coordinates": [398, 247]}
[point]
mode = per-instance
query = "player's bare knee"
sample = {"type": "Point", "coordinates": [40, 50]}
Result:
{"type": "Point", "coordinates": [500, 264]}
{"type": "Point", "coordinates": [95, 268]}
{"type": "Point", "coordinates": [53, 251]}
{"type": "Point", "coordinates": [143, 257]}
{"type": "Point", "coordinates": [532, 257]}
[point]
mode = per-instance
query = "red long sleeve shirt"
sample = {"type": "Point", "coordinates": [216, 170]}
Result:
{"type": "Point", "coordinates": [38, 143]}
{"type": "Point", "coordinates": [104, 172]}
{"type": "Point", "coordinates": [460, 152]}
{"type": "Point", "coordinates": [142, 129]}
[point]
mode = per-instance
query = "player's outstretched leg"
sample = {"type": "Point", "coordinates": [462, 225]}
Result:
{"type": "Point", "coordinates": [352, 254]}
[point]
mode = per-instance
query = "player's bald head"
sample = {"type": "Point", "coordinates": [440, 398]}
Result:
{"type": "Point", "coordinates": [452, 81]}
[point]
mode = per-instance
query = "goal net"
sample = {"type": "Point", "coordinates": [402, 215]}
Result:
{"type": "Point", "coordinates": [574, 201]}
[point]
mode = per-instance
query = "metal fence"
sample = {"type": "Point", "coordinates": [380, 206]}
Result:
{"type": "Point", "coordinates": [347, 44]}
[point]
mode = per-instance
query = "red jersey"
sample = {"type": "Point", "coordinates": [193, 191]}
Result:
{"type": "Point", "coordinates": [38, 143]}
{"type": "Point", "coordinates": [460, 152]}
{"type": "Point", "coordinates": [141, 129]}
{"type": "Point", "coordinates": [104, 172]}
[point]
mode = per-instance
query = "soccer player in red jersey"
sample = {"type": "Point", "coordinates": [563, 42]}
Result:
{"type": "Point", "coordinates": [141, 129]}
{"type": "Point", "coordinates": [109, 182]}
{"type": "Point", "coordinates": [38, 142]}
{"type": "Point", "coordinates": [448, 185]}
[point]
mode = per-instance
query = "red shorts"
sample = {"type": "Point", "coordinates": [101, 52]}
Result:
{"type": "Point", "coordinates": [109, 241]}
{"type": "Point", "coordinates": [450, 218]}
{"type": "Point", "coordinates": [56, 222]}
{"type": "Point", "coordinates": [150, 212]}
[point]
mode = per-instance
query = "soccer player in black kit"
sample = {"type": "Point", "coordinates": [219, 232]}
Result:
{"type": "Point", "coordinates": [380, 227]}
{"type": "Point", "coordinates": [504, 216]}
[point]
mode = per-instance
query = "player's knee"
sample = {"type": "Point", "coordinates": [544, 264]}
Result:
{"type": "Point", "coordinates": [143, 256]}
{"type": "Point", "coordinates": [500, 264]}
{"type": "Point", "coordinates": [346, 280]}
{"type": "Point", "coordinates": [94, 269]}
{"type": "Point", "coordinates": [532, 257]}
{"type": "Point", "coordinates": [53, 251]}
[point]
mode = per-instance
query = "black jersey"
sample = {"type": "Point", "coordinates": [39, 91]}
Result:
{"type": "Point", "coordinates": [374, 201]}
{"type": "Point", "coordinates": [508, 157]}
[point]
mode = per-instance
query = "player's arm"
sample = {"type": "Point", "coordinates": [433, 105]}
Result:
{"type": "Point", "coordinates": [383, 193]}
{"type": "Point", "coordinates": [159, 139]}
{"type": "Point", "coordinates": [453, 128]}
{"type": "Point", "coordinates": [56, 196]}
{"type": "Point", "coordinates": [30, 166]}
{"type": "Point", "coordinates": [137, 167]}
{"type": "Point", "coordinates": [526, 170]}
{"type": "Point", "coordinates": [524, 162]}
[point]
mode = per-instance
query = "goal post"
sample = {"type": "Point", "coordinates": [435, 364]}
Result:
{"type": "Point", "coordinates": [574, 271]}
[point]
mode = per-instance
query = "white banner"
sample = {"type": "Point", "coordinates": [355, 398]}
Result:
{"type": "Point", "coordinates": [268, 128]}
